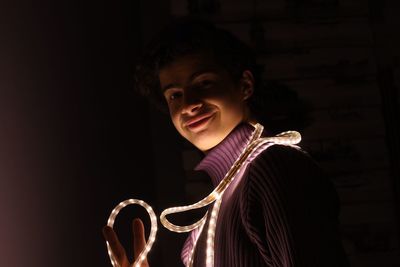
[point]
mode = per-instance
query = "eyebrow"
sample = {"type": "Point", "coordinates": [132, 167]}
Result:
{"type": "Point", "coordinates": [192, 77]}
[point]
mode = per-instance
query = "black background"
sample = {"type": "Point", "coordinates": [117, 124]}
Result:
{"type": "Point", "coordinates": [74, 137]}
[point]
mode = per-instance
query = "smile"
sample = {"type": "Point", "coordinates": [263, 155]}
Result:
{"type": "Point", "coordinates": [199, 123]}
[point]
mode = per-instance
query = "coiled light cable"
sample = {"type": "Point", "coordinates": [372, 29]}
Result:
{"type": "Point", "coordinates": [284, 138]}
{"type": "Point", "coordinates": [153, 231]}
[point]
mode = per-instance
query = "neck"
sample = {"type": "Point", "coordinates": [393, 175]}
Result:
{"type": "Point", "coordinates": [219, 159]}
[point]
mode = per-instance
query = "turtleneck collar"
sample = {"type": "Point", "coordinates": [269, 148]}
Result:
{"type": "Point", "coordinates": [219, 160]}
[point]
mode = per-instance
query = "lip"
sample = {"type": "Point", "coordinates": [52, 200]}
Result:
{"type": "Point", "coordinates": [199, 122]}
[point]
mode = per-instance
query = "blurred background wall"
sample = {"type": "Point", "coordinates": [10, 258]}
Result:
{"type": "Point", "coordinates": [75, 140]}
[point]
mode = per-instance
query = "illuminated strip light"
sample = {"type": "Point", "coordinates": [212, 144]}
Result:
{"type": "Point", "coordinates": [211, 233]}
{"type": "Point", "coordinates": [190, 261]}
{"type": "Point", "coordinates": [142, 256]}
{"type": "Point", "coordinates": [284, 138]}
{"type": "Point", "coordinates": [214, 195]}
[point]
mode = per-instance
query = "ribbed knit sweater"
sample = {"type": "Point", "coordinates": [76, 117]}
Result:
{"type": "Point", "coordinates": [280, 210]}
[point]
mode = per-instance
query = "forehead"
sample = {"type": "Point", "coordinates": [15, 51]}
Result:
{"type": "Point", "coordinates": [186, 67]}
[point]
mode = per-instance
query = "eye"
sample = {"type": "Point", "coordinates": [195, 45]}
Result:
{"type": "Point", "coordinates": [172, 94]}
{"type": "Point", "coordinates": [175, 95]}
{"type": "Point", "coordinates": [207, 83]}
{"type": "Point", "coordinates": [204, 84]}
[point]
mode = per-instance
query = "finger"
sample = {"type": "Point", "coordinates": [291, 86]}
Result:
{"type": "Point", "coordinates": [116, 247]}
{"type": "Point", "coordinates": [139, 240]}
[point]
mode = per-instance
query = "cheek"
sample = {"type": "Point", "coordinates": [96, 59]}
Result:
{"type": "Point", "coordinates": [174, 115]}
{"type": "Point", "coordinates": [231, 103]}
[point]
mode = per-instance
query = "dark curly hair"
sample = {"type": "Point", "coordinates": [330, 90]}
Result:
{"type": "Point", "coordinates": [187, 36]}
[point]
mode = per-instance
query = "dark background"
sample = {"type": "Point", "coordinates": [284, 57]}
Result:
{"type": "Point", "coordinates": [75, 140]}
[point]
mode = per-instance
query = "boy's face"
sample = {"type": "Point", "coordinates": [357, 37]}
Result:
{"type": "Point", "coordinates": [204, 102]}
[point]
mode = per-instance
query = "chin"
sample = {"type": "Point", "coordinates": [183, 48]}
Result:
{"type": "Point", "coordinates": [205, 148]}
{"type": "Point", "coordinates": [209, 137]}
{"type": "Point", "coordinates": [207, 143]}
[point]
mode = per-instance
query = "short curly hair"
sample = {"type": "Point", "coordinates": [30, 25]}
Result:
{"type": "Point", "coordinates": [272, 104]}
{"type": "Point", "coordinates": [187, 36]}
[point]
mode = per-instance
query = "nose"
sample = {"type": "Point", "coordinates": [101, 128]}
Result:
{"type": "Point", "coordinates": [191, 105]}
{"type": "Point", "coordinates": [192, 108]}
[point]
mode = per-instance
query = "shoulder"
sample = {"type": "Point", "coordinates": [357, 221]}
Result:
{"type": "Point", "coordinates": [289, 176]}
{"type": "Point", "coordinates": [272, 182]}
{"type": "Point", "coordinates": [287, 151]}
{"type": "Point", "coordinates": [284, 171]}
{"type": "Point", "coordinates": [283, 158]}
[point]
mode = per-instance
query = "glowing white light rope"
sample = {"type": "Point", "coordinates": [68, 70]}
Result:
{"type": "Point", "coordinates": [214, 195]}
{"type": "Point", "coordinates": [153, 231]}
{"type": "Point", "coordinates": [190, 261]}
{"type": "Point", "coordinates": [284, 138]}
{"type": "Point", "coordinates": [211, 233]}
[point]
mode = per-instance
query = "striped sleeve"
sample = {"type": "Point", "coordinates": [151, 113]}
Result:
{"type": "Point", "coordinates": [188, 246]}
{"type": "Point", "coordinates": [289, 210]}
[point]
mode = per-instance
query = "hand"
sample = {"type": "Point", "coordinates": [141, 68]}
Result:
{"type": "Point", "coordinates": [139, 242]}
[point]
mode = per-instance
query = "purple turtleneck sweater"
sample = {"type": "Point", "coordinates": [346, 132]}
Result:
{"type": "Point", "coordinates": [280, 210]}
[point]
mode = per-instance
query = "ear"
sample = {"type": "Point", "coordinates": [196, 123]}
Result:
{"type": "Point", "coordinates": [247, 84]}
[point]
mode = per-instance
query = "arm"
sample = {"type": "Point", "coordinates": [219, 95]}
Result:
{"type": "Point", "coordinates": [290, 209]}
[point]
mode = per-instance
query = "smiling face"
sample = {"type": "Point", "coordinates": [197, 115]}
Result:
{"type": "Point", "coordinates": [204, 102]}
